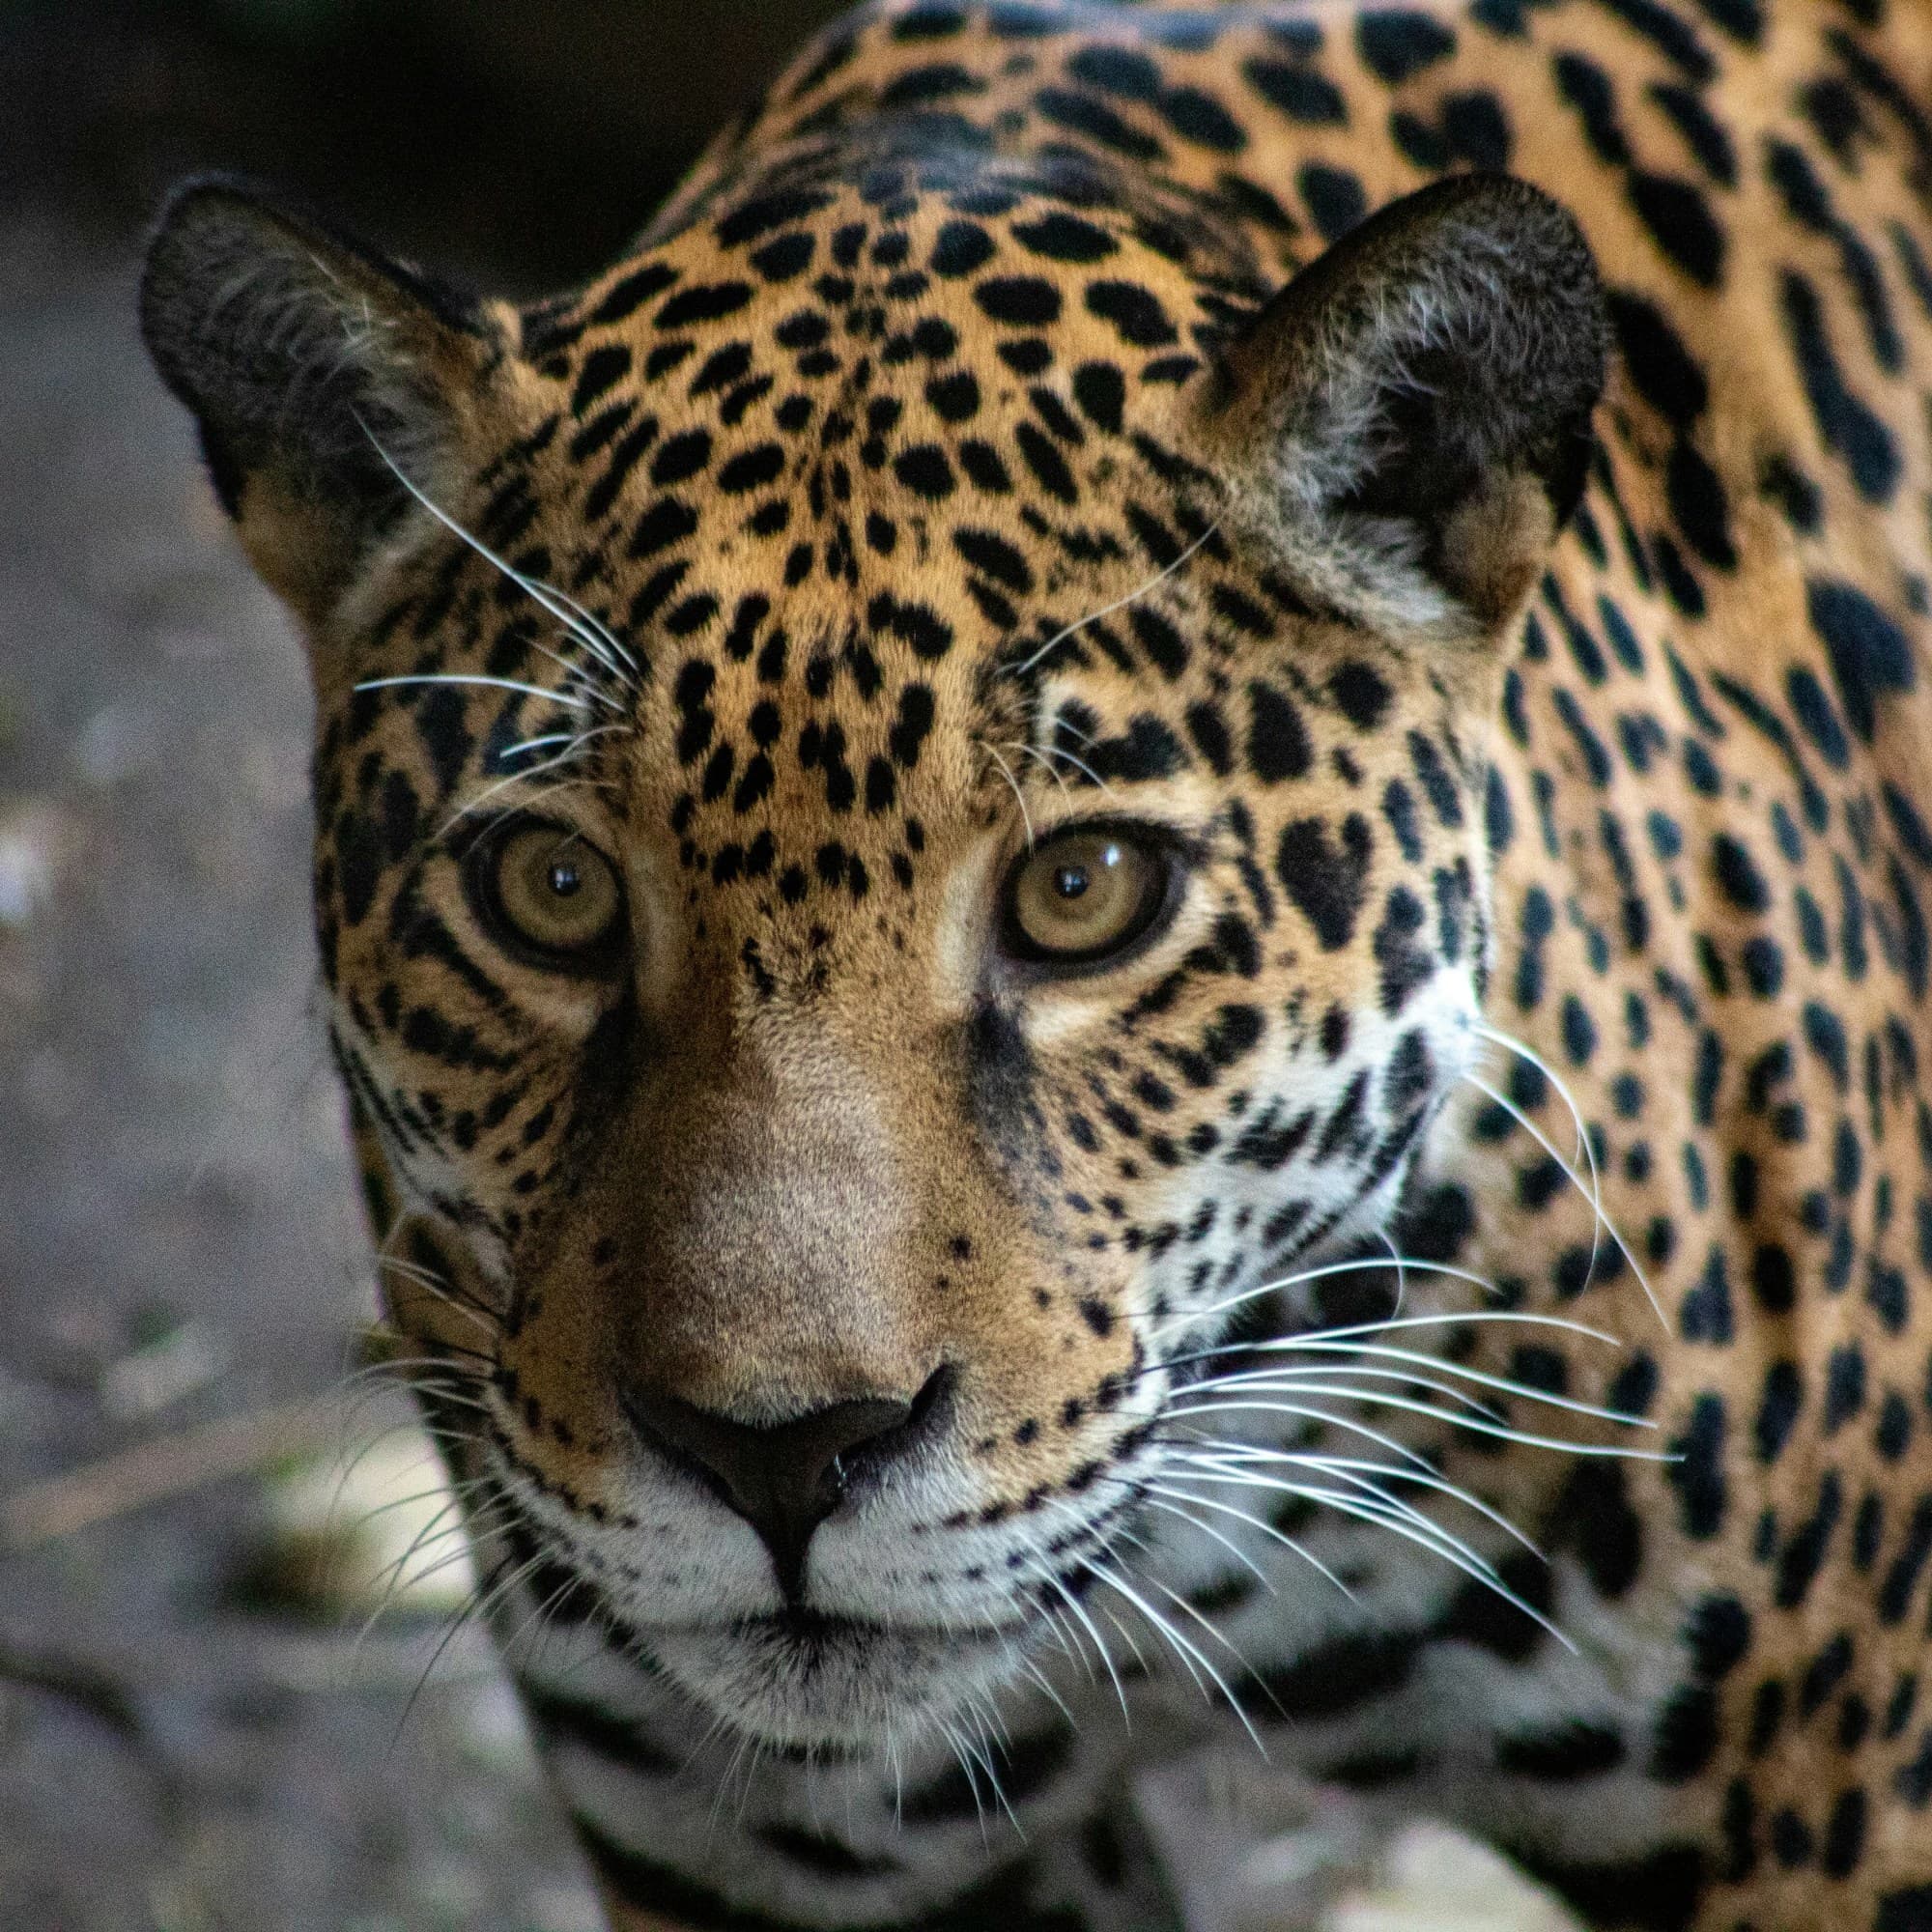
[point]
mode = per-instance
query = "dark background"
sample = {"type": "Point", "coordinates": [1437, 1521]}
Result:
{"type": "Point", "coordinates": [523, 140]}
{"type": "Point", "coordinates": [193, 1738]}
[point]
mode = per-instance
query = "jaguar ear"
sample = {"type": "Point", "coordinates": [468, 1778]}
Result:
{"type": "Point", "coordinates": [312, 367]}
{"type": "Point", "coordinates": [1409, 420]}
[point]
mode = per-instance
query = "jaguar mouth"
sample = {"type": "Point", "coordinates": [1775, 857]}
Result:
{"type": "Point", "coordinates": [798, 1678]}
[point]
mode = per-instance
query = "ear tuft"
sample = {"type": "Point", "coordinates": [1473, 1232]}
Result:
{"type": "Point", "coordinates": [1409, 418]}
{"type": "Point", "coordinates": [305, 359]}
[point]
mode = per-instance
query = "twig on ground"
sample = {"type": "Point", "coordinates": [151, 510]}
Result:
{"type": "Point", "coordinates": [164, 1466]}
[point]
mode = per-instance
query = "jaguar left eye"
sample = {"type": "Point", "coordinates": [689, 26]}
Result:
{"type": "Point", "coordinates": [1085, 894]}
{"type": "Point", "coordinates": [551, 894]}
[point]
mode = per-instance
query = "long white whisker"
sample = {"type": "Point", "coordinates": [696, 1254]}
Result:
{"type": "Point", "coordinates": [590, 631]}
{"type": "Point", "coordinates": [1570, 1175]}
{"type": "Point", "coordinates": [1231, 1465]}
{"type": "Point", "coordinates": [1183, 1646]}
{"type": "Point", "coordinates": [1453, 1418]}
{"type": "Point", "coordinates": [1503, 1384]}
{"type": "Point", "coordinates": [563, 698]}
{"type": "Point", "coordinates": [1188, 1318]}
{"type": "Point", "coordinates": [1267, 1528]}
{"type": "Point", "coordinates": [1019, 797]}
{"type": "Point", "coordinates": [1153, 583]}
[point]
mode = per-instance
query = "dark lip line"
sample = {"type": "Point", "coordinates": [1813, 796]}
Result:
{"type": "Point", "coordinates": [802, 1625]}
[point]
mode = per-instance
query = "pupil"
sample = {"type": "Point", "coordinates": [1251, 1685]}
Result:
{"type": "Point", "coordinates": [564, 878]}
{"type": "Point", "coordinates": [1069, 881]}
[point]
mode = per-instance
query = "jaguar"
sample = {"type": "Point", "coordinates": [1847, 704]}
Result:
{"type": "Point", "coordinates": [1122, 892]}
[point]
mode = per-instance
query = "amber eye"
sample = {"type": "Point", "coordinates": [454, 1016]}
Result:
{"type": "Point", "coordinates": [1084, 895]}
{"type": "Point", "coordinates": [556, 895]}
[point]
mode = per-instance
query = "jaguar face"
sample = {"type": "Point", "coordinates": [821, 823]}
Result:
{"type": "Point", "coordinates": [900, 828]}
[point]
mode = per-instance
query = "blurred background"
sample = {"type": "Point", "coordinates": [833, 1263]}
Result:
{"type": "Point", "coordinates": [195, 1730]}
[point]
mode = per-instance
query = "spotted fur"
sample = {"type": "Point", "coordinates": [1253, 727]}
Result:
{"type": "Point", "coordinates": [1033, 414]}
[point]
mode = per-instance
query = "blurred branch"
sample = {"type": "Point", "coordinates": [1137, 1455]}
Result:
{"type": "Point", "coordinates": [97, 1692]}
{"type": "Point", "coordinates": [153, 1471]}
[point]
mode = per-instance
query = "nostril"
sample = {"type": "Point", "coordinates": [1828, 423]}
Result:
{"type": "Point", "coordinates": [786, 1478]}
{"type": "Point", "coordinates": [925, 1416]}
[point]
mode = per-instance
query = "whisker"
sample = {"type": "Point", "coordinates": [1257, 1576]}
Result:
{"type": "Point", "coordinates": [1570, 1175]}
{"type": "Point", "coordinates": [590, 631]}
{"type": "Point", "coordinates": [1013, 784]}
{"type": "Point", "coordinates": [1266, 1527]}
{"type": "Point", "coordinates": [1183, 1646]}
{"type": "Point", "coordinates": [1153, 583]}
{"type": "Point", "coordinates": [1453, 1418]}
{"type": "Point", "coordinates": [1188, 1318]}
{"type": "Point", "coordinates": [476, 678]}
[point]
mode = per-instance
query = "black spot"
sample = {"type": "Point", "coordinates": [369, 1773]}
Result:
{"type": "Point", "coordinates": [993, 555]}
{"type": "Point", "coordinates": [1703, 134]}
{"type": "Point", "coordinates": [1145, 750]}
{"type": "Point", "coordinates": [1298, 92]}
{"type": "Point", "coordinates": [955, 398]}
{"type": "Point", "coordinates": [1325, 880]}
{"type": "Point", "coordinates": [961, 246]}
{"type": "Point", "coordinates": [1719, 1634]}
{"type": "Point", "coordinates": [1334, 196]}
{"type": "Point", "coordinates": [1200, 118]}
{"type": "Point", "coordinates": [1122, 71]}
{"type": "Point", "coordinates": [1046, 463]}
{"type": "Point", "coordinates": [1023, 1765]}
{"type": "Point", "coordinates": [1134, 311]}
{"type": "Point", "coordinates": [1278, 746]}
{"type": "Point", "coordinates": [1777, 1409]}
{"type": "Point", "coordinates": [1023, 300]}
{"type": "Point", "coordinates": [1869, 653]}
{"type": "Point", "coordinates": [1395, 45]}
{"type": "Point", "coordinates": [1738, 876]}
{"type": "Point", "coordinates": [1101, 393]}
{"type": "Point", "coordinates": [824, 1857]}
{"type": "Point", "coordinates": [710, 303]}
{"type": "Point", "coordinates": [602, 368]}
{"type": "Point", "coordinates": [1065, 238]}
{"type": "Point", "coordinates": [787, 257]}
{"type": "Point", "coordinates": [630, 294]}
{"type": "Point", "coordinates": [914, 722]}
{"type": "Point", "coordinates": [1681, 223]}
{"type": "Point", "coordinates": [1602, 1527]}
{"type": "Point", "coordinates": [1687, 1735]}
{"type": "Point", "coordinates": [1845, 422]}
{"type": "Point", "coordinates": [925, 471]}
{"type": "Point", "coordinates": [1568, 1751]}
{"type": "Point", "coordinates": [913, 624]}
{"type": "Point", "coordinates": [1803, 1554]}
{"type": "Point", "coordinates": [683, 456]}
{"type": "Point", "coordinates": [1697, 502]}
{"type": "Point", "coordinates": [752, 468]}
{"type": "Point", "coordinates": [1699, 1474]}
{"type": "Point", "coordinates": [1084, 114]}
{"type": "Point", "coordinates": [1335, 1676]}
{"type": "Point", "coordinates": [1361, 694]}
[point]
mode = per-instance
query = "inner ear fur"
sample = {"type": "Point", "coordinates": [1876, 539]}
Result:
{"type": "Point", "coordinates": [1409, 420]}
{"type": "Point", "coordinates": [307, 359]}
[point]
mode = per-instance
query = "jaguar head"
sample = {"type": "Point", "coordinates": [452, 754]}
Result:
{"type": "Point", "coordinates": [900, 828]}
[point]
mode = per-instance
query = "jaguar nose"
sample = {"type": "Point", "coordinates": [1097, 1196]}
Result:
{"type": "Point", "coordinates": [783, 1478]}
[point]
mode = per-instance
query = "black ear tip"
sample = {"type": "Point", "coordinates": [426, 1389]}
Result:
{"type": "Point", "coordinates": [207, 228]}
{"type": "Point", "coordinates": [206, 207]}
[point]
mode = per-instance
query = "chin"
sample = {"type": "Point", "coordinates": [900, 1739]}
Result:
{"type": "Point", "coordinates": [797, 1682]}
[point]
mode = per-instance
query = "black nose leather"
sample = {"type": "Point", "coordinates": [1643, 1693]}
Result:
{"type": "Point", "coordinates": [785, 1479]}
